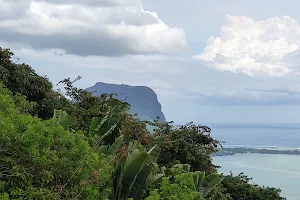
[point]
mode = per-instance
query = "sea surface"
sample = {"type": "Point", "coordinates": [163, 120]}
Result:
{"type": "Point", "coordinates": [281, 171]}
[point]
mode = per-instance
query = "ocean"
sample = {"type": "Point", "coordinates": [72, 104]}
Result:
{"type": "Point", "coordinates": [281, 171]}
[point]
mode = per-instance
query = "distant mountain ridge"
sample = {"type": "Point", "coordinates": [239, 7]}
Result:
{"type": "Point", "coordinates": [143, 100]}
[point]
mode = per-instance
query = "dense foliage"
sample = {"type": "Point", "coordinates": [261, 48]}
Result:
{"type": "Point", "coordinates": [179, 183]}
{"type": "Point", "coordinates": [239, 188]}
{"type": "Point", "coordinates": [22, 79]}
{"type": "Point", "coordinates": [190, 144]}
{"type": "Point", "coordinates": [182, 188]}
{"type": "Point", "coordinates": [78, 146]}
{"type": "Point", "coordinates": [39, 157]}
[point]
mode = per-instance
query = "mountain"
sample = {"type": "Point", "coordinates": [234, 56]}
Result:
{"type": "Point", "coordinates": [142, 99]}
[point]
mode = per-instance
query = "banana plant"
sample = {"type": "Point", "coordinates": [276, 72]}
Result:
{"type": "Point", "coordinates": [156, 174]}
{"type": "Point", "coordinates": [110, 151]}
{"type": "Point", "coordinates": [180, 168]}
{"type": "Point", "coordinates": [205, 184]}
{"type": "Point", "coordinates": [64, 119]}
{"type": "Point", "coordinates": [133, 170]}
{"type": "Point", "coordinates": [107, 127]}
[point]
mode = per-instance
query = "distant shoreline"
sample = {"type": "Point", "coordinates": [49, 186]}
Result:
{"type": "Point", "coordinates": [254, 125]}
{"type": "Point", "coordinates": [228, 151]}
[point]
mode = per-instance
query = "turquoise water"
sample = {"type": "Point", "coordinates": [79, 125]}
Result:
{"type": "Point", "coordinates": [281, 171]}
{"type": "Point", "coordinates": [287, 136]}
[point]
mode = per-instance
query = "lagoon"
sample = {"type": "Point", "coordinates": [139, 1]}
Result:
{"type": "Point", "coordinates": [280, 171]}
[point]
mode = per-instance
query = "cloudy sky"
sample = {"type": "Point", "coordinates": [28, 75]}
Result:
{"type": "Point", "coordinates": [208, 61]}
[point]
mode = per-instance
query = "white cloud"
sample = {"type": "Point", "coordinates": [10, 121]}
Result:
{"type": "Point", "coordinates": [85, 29]}
{"type": "Point", "coordinates": [176, 87]}
{"type": "Point", "coordinates": [253, 47]}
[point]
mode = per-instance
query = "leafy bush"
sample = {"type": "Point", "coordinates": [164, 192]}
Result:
{"type": "Point", "coordinates": [179, 180]}
{"type": "Point", "coordinates": [40, 160]}
{"type": "Point", "coordinates": [239, 188]}
{"type": "Point", "coordinates": [182, 188]}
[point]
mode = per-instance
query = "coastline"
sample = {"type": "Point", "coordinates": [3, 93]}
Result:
{"type": "Point", "coordinates": [228, 151]}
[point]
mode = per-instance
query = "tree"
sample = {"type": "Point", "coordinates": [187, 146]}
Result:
{"type": "Point", "coordinates": [238, 187]}
{"type": "Point", "coordinates": [133, 169]}
{"type": "Point", "coordinates": [189, 144]}
{"type": "Point", "coordinates": [22, 79]}
{"type": "Point", "coordinates": [86, 106]}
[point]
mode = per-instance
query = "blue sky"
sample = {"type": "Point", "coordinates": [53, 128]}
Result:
{"type": "Point", "coordinates": [208, 61]}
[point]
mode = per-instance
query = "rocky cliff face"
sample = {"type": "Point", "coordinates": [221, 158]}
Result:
{"type": "Point", "coordinates": [142, 99]}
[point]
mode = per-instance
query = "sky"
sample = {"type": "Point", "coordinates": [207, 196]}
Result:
{"type": "Point", "coordinates": [217, 61]}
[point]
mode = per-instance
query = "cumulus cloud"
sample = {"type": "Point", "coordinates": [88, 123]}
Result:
{"type": "Point", "coordinates": [253, 47]}
{"type": "Point", "coordinates": [110, 28]}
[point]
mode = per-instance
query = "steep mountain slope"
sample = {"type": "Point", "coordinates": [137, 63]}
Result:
{"type": "Point", "coordinates": [142, 99]}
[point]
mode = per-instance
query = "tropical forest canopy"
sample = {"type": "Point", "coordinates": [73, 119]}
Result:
{"type": "Point", "coordinates": [74, 145]}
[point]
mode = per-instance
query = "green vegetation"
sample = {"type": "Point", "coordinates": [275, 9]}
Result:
{"type": "Point", "coordinates": [90, 148]}
{"type": "Point", "coordinates": [239, 188]}
{"type": "Point", "coordinates": [38, 158]}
